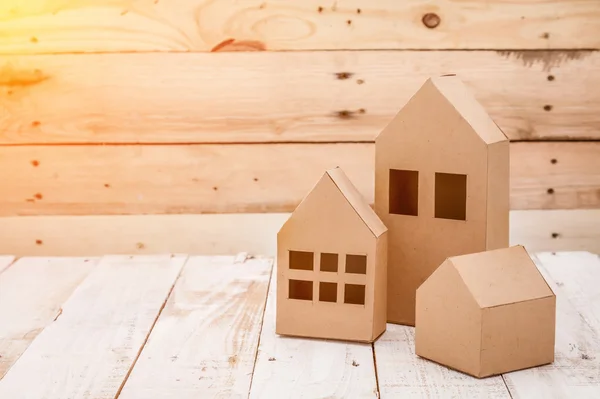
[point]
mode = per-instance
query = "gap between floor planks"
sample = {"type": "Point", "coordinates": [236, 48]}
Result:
{"type": "Point", "coordinates": [396, 343]}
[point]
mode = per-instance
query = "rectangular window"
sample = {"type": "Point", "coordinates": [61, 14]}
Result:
{"type": "Point", "coordinates": [300, 289]}
{"type": "Point", "coordinates": [354, 294]}
{"type": "Point", "coordinates": [327, 292]}
{"type": "Point", "coordinates": [300, 260]}
{"type": "Point", "coordinates": [329, 262]}
{"type": "Point", "coordinates": [404, 192]}
{"type": "Point", "coordinates": [356, 264]}
{"type": "Point", "coordinates": [451, 196]}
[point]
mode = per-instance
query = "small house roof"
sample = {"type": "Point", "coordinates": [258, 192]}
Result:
{"type": "Point", "coordinates": [356, 201]}
{"type": "Point", "coordinates": [501, 276]}
{"type": "Point", "coordinates": [465, 103]}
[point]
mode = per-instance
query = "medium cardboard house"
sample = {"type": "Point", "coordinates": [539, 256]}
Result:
{"type": "Point", "coordinates": [331, 265]}
{"type": "Point", "coordinates": [441, 186]}
{"type": "Point", "coordinates": [486, 313]}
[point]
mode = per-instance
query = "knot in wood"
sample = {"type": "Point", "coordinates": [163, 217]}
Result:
{"type": "Point", "coordinates": [431, 20]}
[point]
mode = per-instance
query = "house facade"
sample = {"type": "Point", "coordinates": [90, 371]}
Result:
{"type": "Point", "coordinates": [441, 186]}
{"type": "Point", "coordinates": [486, 313]}
{"type": "Point", "coordinates": [331, 265]}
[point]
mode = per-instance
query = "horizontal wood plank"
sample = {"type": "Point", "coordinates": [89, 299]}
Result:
{"type": "Point", "coordinates": [574, 372]}
{"type": "Point", "coordinates": [218, 234]}
{"type": "Point", "coordinates": [556, 230]}
{"type": "Point", "coordinates": [32, 292]}
{"type": "Point", "coordinates": [176, 179]}
{"type": "Point", "coordinates": [5, 261]}
{"type": "Point", "coordinates": [97, 235]}
{"type": "Point", "coordinates": [204, 343]}
{"type": "Point", "coordinates": [282, 96]}
{"type": "Point", "coordinates": [555, 175]}
{"type": "Point", "coordinates": [88, 351]}
{"type": "Point", "coordinates": [402, 374]}
{"type": "Point", "coordinates": [310, 368]}
{"type": "Point", "coordinates": [203, 25]}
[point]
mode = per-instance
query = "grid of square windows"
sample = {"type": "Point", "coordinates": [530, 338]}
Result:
{"type": "Point", "coordinates": [302, 289]}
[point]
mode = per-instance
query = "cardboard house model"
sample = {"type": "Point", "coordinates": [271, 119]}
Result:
{"type": "Point", "coordinates": [441, 186]}
{"type": "Point", "coordinates": [486, 313]}
{"type": "Point", "coordinates": [331, 265]}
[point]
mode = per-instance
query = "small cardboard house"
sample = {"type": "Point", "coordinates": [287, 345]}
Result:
{"type": "Point", "coordinates": [331, 265]}
{"type": "Point", "coordinates": [441, 186]}
{"type": "Point", "coordinates": [486, 313]}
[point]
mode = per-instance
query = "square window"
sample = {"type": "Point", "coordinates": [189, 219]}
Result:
{"type": "Point", "coordinates": [328, 292]}
{"type": "Point", "coordinates": [329, 262]}
{"type": "Point", "coordinates": [354, 294]}
{"type": "Point", "coordinates": [300, 289]}
{"type": "Point", "coordinates": [404, 192]}
{"type": "Point", "coordinates": [300, 260]}
{"type": "Point", "coordinates": [450, 196]}
{"type": "Point", "coordinates": [356, 264]}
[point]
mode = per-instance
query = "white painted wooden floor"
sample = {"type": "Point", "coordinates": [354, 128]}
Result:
{"type": "Point", "coordinates": [178, 326]}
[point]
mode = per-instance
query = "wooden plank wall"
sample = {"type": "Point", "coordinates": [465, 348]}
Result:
{"type": "Point", "coordinates": [170, 107]}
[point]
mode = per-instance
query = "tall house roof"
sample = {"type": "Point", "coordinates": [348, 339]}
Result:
{"type": "Point", "coordinates": [465, 103]}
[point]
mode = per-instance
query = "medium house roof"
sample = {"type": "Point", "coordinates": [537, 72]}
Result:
{"type": "Point", "coordinates": [465, 103]}
{"type": "Point", "coordinates": [501, 277]}
{"type": "Point", "coordinates": [357, 201]}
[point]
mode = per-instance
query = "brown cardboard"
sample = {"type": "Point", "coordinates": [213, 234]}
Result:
{"type": "Point", "coordinates": [486, 313]}
{"type": "Point", "coordinates": [441, 186]}
{"type": "Point", "coordinates": [333, 220]}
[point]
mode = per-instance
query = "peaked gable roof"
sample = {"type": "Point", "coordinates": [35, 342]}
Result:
{"type": "Point", "coordinates": [501, 276]}
{"type": "Point", "coordinates": [452, 90]}
{"type": "Point", "coordinates": [356, 201]}
{"type": "Point", "coordinates": [469, 108]}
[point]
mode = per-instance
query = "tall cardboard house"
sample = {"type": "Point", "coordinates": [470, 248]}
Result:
{"type": "Point", "coordinates": [441, 186]}
{"type": "Point", "coordinates": [331, 265]}
{"type": "Point", "coordinates": [486, 313]}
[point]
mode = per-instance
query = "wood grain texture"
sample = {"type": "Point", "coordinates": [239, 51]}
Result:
{"type": "Point", "coordinates": [283, 96]}
{"type": "Point", "coordinates": [194, 234]}
{"type": "Point", "coordinates": [88, 351]}
{"type": "Point", "coordinates": [203, 25]}
{"type": "Point", "coordinates": [555, 175]}
{"type": "Point", "coordinates": [32, 292]}
{"type": "Point", "coordinates": [577, 274]}
{"type": "Point", "coordinates": [574, 373]}
{"type": "Point", "coordinates": [204, 344]}
{"type": "Point", "coordinates": [556, 230]}
{"type": "Point", "coordinates": [219, 234]}
{"type": "Point", "coordinates": [6, 261]}
{"type": "Point", "coordinates": [177, 179]}
{"type": "Point", "coordinates": [401, 373]}
{"type": "Point", "coordinates": [309, 368]}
